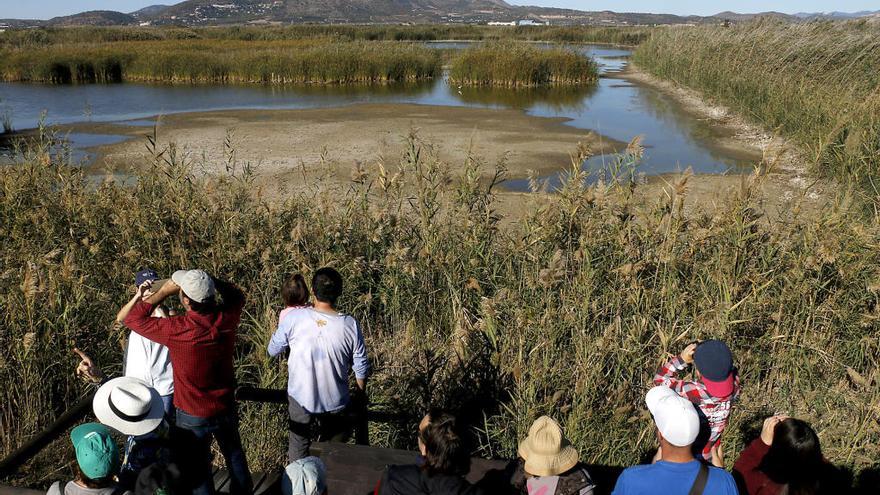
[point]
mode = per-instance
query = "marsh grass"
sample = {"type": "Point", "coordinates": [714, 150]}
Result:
{"type": "Point", "coordinates": [817, 83]}
{"type": "Point", "coordinates": [574, 34]}
{"type": "Point", "coordinates": [514, 64]}
{"type": "Point", "coordinates": [314, 61]}
{"type": "Point", "coordinates": [566, 311]}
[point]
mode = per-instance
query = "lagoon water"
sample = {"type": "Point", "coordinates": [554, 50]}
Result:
{"type": "Point", "coordinates": [615, 108]}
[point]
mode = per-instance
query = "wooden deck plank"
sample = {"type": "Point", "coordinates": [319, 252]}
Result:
{"type": "Point", "coordinates": [355, 469]}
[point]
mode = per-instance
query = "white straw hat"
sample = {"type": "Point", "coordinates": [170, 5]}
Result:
{"type": "Point", "coordinates": [545, 450]}
{"type": "Point", "coordinates": [129, 406]}
{"type": "Point", "coordinates": [675, 416]}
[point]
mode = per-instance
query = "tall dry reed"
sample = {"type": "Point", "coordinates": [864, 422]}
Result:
{"type": "Point", "coordinates": [817, 82]}
{"type": "Point", "coordinates": [567, 311]}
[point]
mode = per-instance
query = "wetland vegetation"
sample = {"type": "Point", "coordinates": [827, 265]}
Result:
{"type": "Point", "coordinates": [566, 311]}
{"type": "Point", "coordinates": [204, 61]}
{"type": "Point", "coordinates": [515, 64]}
{"type": "Point", "coordinates": [817, 83]}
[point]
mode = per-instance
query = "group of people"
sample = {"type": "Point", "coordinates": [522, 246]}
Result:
{"type": "Point", "coordinates": [177, 396]}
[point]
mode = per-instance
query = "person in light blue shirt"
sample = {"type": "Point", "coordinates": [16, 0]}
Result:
{"type": "Point", "coordinates": [675, 471]}
{"type": "Point", "coordinates": [325, 346]}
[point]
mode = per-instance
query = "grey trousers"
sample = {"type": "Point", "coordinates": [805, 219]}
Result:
{"type": "Point", "coordinates": [332, 427]}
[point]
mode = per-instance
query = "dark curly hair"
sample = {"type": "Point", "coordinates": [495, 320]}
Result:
{"type": "Point", "coordinates": [446, 450]}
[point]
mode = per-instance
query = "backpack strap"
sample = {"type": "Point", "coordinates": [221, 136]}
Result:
{"type": "Point", "coordinates": [700, 483]}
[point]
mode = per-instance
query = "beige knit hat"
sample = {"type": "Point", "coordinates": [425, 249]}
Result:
{"type": "Point", "coordinates": [546, 451]}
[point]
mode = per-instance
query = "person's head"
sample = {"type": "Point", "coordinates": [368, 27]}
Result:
{"type": "Point", "coordinates": [97, 456]}
{"type": "Point", "coordinates": [546, 451]}
{"type": "Point", "coordinates": [295, 292]}
{"type": "Point", "coordinates": [327, 285]}
{"type": "Point", "coordinates": [145, 275]}
{"type": "Point", "coordinates": [714, 363]}
{"type": "Point", "coordinates": [306, 476]}
{"type": "Point", "coordinates": [675, 417]}
{"type": "Point", "coordinates": [196, 290]}
{"type": "Point", "coordinates": [161, 478]}
{"type": "Point", "coordinates": [129, 406]}
{"type": "Point", "coordinates": [795, 457]}
{"type": "Point", "coordinates": [442, 444]}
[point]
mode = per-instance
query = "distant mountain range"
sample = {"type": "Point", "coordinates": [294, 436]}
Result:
{"type": "Point", "coordinates": [218, 12]}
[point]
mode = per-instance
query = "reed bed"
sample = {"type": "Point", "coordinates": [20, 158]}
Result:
{"type": "Point", "coordinates": [521, 65]}
{"type": "Point", "coordinates": [566, 311]}
{"type": "Point", "coordinates": [572, 34]}
{"type": "Point", "coordinates": [817, 83]}
{"type": "Point", "coordinates": [200, 61]}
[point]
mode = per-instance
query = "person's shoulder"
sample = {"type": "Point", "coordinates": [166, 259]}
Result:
{"type": "Point", "coordinates": [403, 469]}
{"type": "Point", "coordinates": [402, 475]}
{"type": "Point", "coordinates": [57, 488]}
{"type": "Point", "coordinates": [638, 469]}
{"type": "Point", "coordinates": [719, 475]}
{"type": "Point", "coordinates": [297, 313]}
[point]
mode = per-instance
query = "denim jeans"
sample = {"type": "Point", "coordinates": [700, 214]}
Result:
{"type": "Point", "coordinates": [223, 428]}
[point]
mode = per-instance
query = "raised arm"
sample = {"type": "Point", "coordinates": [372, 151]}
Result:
{"type": "Point", "coordinates": [666, 375]}
{"type": "Point", "coordinates": [138, 295]}
{"type": "Point", "coordinates": [139, 320]}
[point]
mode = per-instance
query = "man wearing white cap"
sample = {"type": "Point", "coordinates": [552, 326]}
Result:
{"type": "Point", "coordinates": [201, 343]}
{"type": "Point", "coordinates": [676, 472]}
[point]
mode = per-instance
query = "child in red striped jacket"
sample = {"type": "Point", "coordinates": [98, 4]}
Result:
{"type": "Point", "coordinates": [713, 392]}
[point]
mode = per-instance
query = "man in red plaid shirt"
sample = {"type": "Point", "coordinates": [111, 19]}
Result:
{"type": "Point", "coordinates": [713, 392]}
{"type": "Point", "coordinates": [201, 343]}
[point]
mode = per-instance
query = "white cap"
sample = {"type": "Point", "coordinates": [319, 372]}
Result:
{"type": "Point", "coordinates": [306, 476]}
{"type": "Point", "coordinates": [195, 284]}
{"type": "Point", "coordinates": [675, 416]}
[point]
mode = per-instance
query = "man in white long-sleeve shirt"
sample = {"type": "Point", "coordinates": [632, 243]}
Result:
{"type": "Point", "coordinates": [325, 346]}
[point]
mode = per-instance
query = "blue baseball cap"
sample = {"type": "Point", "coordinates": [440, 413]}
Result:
{"type": "Point", "coordinates": [144, 275]}
{"type": "Point", "coordinates": [714, 361]}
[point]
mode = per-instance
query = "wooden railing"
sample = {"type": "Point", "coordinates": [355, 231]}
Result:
{"type": "Point", "coordinates": [32, 447]}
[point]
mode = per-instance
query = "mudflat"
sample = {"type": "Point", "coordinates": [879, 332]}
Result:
{"type": "Point", "coordinates": [332, 141]}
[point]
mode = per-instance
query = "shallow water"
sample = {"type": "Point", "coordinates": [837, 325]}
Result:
{"type": "Point", "coordinates": [616, 108]}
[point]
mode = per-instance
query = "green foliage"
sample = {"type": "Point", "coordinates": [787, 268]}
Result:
{"type": "Point", "coordinates": [197, 61]}
{"type": "Point", "coordinates": [572, 34]}
{"type": "Point", "coordinates": [818, 83]}
{"type": "Point", "coordinates": [566, 311]}
{"type": "Point", "coordinates": [521, 64]}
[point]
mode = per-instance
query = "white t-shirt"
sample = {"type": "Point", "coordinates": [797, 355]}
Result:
{"type": "Point", "coordinates": [149, 361]}
{"type": "Point", "coordinates": [324, 349]}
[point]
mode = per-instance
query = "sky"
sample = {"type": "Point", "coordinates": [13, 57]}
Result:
{"type": "Point", "coordinates": [45, 9]}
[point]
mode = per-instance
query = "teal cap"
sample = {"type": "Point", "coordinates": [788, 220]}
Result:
{"type": "Point", "coordinates": [96, 452]}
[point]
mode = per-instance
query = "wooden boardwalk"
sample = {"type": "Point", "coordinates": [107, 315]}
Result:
{"type": "Point", "coordinates": [351, 469]}
{"type": "Point", "coordinates": [355, 469]}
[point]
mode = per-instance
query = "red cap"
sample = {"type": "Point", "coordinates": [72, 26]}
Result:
{"type": "Point", "coordinates": [721, 388]}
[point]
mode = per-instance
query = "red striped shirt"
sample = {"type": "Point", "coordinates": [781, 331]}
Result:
{"type": "Point", "coordinates": [201, 346]}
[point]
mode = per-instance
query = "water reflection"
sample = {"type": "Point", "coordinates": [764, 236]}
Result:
{"type": "Point", "coordinates": [557, 99]}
